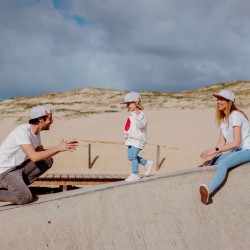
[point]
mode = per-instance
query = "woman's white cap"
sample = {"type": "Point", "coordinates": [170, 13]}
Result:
{"type": "Point", "coordinates": [226, 94]}
{"type": "Point", "coordinates": [39, 111]}
{"type": "Point", "coordinates": [132, 97]}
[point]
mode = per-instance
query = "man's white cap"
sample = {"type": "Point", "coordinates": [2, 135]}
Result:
{"type": "Point", "coordinates": [132, 97]}
{"type": "Point", "coordinates": [39, 111]}
{"type": "Point", "coordinates": [226, 94]}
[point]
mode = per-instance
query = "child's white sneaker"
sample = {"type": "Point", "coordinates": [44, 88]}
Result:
{"type": "Point", "coordinates": [133, 177]}
{"type": "Point", "coordinates": [148, 167]}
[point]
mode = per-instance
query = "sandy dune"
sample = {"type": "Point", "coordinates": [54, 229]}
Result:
{"type": "Point", "coordinates": [182, 123]}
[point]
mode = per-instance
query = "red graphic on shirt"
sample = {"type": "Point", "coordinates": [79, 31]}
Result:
{"type": "Point", "coordinates": [127, 126]}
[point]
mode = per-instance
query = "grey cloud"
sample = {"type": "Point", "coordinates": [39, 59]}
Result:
{"type": "Point", "coordinates": [138, 45]}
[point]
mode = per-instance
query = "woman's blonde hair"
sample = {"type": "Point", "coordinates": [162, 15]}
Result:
{"type": "Point", "coordinates": [220, 115]}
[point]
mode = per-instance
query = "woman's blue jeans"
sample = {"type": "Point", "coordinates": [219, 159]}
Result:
{"type": "Point", "coordinates": [135, 159]}
{"type": "Point", "coordinates": [226, 161]}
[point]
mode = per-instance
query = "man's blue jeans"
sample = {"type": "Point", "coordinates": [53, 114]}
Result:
{"type": "Point", "coordinates": [135, 159]}
{"type": "Point", "coordinates": [226, 161]}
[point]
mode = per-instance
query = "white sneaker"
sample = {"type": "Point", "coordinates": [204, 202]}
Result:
{"type": "Point", "coordinates": [148, 167]}
{"type": "Point", "coordinates": [133, 177]}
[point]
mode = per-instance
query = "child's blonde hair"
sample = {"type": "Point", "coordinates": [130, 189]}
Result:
{"type": "Point", "coordinates": [139, 105]}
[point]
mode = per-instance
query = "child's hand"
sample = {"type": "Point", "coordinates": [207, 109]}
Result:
{"type": "Point", "coordinates": [137, 111]}
{"type": "Point", "coordinates": [125, 134]}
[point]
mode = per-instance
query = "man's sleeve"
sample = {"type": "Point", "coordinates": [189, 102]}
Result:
{"type": "Point", "coordinates": [22, 137]}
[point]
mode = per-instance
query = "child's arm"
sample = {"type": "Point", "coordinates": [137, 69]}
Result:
{"type": "Point", "coordinates": [140, 119]}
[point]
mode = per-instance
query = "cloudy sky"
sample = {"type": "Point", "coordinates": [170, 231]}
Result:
{"type": "Point", "coordinates": [140, 45]}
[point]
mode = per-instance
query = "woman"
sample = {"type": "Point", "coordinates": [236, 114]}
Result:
{"type": "Point", "coordinates": [234, 141]}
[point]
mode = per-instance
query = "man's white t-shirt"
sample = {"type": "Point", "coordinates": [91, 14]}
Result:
{"type": "Point", "coordinates": [236, 119]}
{"type": "Point", "coordinates": [11, 154]}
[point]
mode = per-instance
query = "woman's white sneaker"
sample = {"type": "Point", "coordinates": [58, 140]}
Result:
{"type": "Point", "coordinates": [133, 177]}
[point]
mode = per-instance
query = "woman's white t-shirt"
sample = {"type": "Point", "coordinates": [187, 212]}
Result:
{"type": "Point", "coordinates": [11, 154]}
{"type": "Point", "coordinates": [236, 118]}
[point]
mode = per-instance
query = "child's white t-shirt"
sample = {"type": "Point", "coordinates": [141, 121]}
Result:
{"type": "Point", "coordinates": [11, 154]}
{"type": "Point", "coordinates": [236, 118]}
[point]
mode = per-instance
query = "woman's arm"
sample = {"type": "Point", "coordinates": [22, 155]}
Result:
{"type": "Point", "coordinates": [221, 141]}
{"type": "Point", "coordinates": [222, 146]}
{"type": "Point", "coordinates": [236, 142]}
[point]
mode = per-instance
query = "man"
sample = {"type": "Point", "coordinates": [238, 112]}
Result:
{"type": "Point", "coordinates": [23, 158]}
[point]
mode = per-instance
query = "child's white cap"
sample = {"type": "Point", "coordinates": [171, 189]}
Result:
{"type": "Point", "coordinates": [39, 111]}
{"type": "Point", "coordinates": [132, 97]}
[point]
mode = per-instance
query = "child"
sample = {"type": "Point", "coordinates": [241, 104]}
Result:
{"type": "Point", "coordinates": [135, 133]}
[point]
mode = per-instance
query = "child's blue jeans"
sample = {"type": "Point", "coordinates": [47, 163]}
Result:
{"type": "Point", "coordinates": [135, 159]}
{"type": "Point", "coordinates": [226, 161]}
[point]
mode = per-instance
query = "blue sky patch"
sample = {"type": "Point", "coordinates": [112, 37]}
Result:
{"type": "Point", "coordinates": [57, 4]}
{"type": "Point", "coordinates": [79, 20]}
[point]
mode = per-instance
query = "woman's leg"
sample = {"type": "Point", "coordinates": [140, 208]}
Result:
{"type": "Point", "coordinates": [225, 162]}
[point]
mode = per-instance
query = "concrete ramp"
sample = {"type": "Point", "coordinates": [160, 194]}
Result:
{"type": "Point", "coordinates": [159, 212]}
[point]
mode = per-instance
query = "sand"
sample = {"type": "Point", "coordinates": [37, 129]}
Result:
{"type": "Point", "coordinates": [181, 134]}
{"type": "Point", "coordinates": [182, 124]}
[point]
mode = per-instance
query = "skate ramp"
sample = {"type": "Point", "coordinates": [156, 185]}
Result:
{"type": "Point", "coordinates": [159, 212]}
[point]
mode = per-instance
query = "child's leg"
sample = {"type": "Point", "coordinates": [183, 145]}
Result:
{"type": "Point", "coordinates": [142, 161]}
{"type": "Point", "coordinates": [133, 157]}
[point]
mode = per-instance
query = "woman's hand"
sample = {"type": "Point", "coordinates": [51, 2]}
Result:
{"type": "Point", "coordinates": [208, 153]}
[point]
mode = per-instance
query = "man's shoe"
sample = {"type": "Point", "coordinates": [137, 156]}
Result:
{"type": "Point", "coordinates": [133, 177]}
{"type": "Point", "coordinates": [35, 198]}
{"type": "Point", "coordinates": [204, 194]}
{"type": "Point", "coordinates": [148, 167]}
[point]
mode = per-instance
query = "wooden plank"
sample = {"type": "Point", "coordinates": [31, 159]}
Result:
{"type": "Point", "coordinates": [64, 176]}
{"type": "Point", "coordinates": [50, 176]}
{"type": "Point", "coordinates": [57, 176]}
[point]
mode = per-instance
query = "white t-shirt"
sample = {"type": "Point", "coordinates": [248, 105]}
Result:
{"type": "Point", "coordinates": [11, 154]}
{"type": "Point", "coordinates": [236, 119]}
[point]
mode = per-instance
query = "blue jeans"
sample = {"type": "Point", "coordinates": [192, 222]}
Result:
{"type": "Point", "coordinates": [226, 161]}
{"type": "Point", "coordinates": [135, 159]}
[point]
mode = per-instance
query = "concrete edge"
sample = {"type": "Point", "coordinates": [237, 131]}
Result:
{"type": "Point", "coordinates": [87, 190]}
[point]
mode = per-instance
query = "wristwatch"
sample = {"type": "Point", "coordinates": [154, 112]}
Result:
{"type": "Point", "coordinates": [217, 150]}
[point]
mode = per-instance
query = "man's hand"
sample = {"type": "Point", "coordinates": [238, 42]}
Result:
{"type": "Point", "coordinates": [68, 145]}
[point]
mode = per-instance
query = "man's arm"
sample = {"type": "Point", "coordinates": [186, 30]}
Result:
{"type": "Point", "coordinates": [41, 154]}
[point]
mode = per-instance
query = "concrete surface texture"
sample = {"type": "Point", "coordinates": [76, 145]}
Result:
{"type": "Point", "coordinates": [159, 212]}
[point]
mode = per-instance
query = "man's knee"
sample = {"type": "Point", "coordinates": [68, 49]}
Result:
{"type": "Point", "coordinates": [49, 162]}
{"type": "Point", "coordinates": [24, 198]}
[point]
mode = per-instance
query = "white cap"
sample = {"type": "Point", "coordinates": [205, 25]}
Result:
{"type": "Point", "coordinates": [132, 97]}
{"type": "Point", "coordinates": [39, 111]}
{"type": "Point", "coordinates": [226, 94]}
